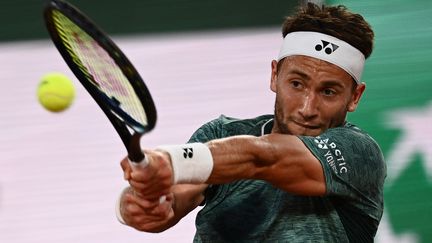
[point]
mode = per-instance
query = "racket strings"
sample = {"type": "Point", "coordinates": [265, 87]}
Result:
{"type": "Point", "coordinates": [101, 70]}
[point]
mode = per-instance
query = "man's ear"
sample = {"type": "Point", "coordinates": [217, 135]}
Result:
{"type": "Point", "coordinates": [355, 97]}
{"type": "Point", "coordinates": [274, 74]}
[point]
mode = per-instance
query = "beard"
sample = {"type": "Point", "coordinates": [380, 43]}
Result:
{"type": "Point", "coordinates": [285, 123]}
{"type": "Point", "coordinates": [281, 126]}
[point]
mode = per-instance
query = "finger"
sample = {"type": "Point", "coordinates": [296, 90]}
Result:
{"type": "Point", "coordinates": [164, 207]}
{"type": "Point", "coordinates": [134, 212]}
{"type": "Point", "coordinates": [162, 210]}
{"type": "Point", "coordinates": [154, 206]}
{"type": "Point", "coordinates": [155, 178]}
{"type": "Point", "coordinates": [144, 204]}
{"type": "Point", "coordinates": [151, 190]}
{"type": "Point", "coordinates": [131, 209]}
{"type": "Point", "coordinates": [146, 222]}
{"type": "Point", "coordinates": [126, 168]}
{"type": "Point", "coordinates": [144, 176]}
{"type": "Point", "coordinates": [141, 219]}
{"type": "Point", "coordinates": [148, 181]}
{"type": "Point", "coordinates": [135, 215]}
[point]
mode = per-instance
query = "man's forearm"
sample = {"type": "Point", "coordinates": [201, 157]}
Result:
{"type": "Point", "coordinates": [282, 160]}
{"type": "Point", "coordinates": [234, 158]}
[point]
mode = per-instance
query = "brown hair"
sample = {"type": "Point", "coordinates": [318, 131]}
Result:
{"type": "Point", "coordinates": [336, 21]}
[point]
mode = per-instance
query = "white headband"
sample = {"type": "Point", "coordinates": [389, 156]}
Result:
{"type": "Point", "coordinates": [324, 47]}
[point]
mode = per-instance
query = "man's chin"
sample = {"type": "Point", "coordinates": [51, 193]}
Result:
{"type": "Point", "coordinates": [303, 131]}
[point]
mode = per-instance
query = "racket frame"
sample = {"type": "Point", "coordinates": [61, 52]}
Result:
{"type": "Point", "coordinates": [121, 121]}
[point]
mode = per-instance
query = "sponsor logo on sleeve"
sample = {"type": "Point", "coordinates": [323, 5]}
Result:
{"type": "Point", "coordinates": [333, 156]}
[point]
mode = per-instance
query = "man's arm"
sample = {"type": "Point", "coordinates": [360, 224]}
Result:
{"type": "Point", "coordinates": [282, 160]}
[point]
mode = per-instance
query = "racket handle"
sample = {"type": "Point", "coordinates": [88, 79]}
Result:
{"type": "Point", "coordinates": [143, 164]}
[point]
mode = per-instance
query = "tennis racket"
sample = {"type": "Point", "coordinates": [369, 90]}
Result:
{"type": "Point", "coordinates": [105, 72]}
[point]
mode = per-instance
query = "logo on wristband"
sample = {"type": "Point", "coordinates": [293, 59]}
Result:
{"type": "Point", "coordinates": [188, 153]}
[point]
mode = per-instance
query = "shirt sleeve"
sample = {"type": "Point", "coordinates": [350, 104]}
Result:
{"type": "Point", "coordinates": [207, 132]}
{"type": "Point", "coordinates": [353, 165]}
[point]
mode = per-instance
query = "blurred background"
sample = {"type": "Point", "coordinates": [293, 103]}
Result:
{"type": "Point", "coordinates": [60, 173]}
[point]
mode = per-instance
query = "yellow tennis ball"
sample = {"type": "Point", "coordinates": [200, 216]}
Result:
{"type": "Point", "coordinates": [55, 92]}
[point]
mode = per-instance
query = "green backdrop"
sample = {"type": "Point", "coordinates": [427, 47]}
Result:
{"type": "Point", "coordinates": [397, 107]}
{"type": "Point", "coordinates": [21, 19]}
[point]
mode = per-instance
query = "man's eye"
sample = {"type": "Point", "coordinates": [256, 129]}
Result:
{"type": "Point", "coordinates": [329, 92]}
{"type": "Point", "coordinates": [295, 84]}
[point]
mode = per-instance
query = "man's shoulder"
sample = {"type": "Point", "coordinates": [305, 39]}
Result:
{"type": "Point", "coordinates": [232, 121]}
{"type": "Point", "coordinates": [349, 139]}
{"type": "Point", "coordinates": [225, 126]}
{"type": "Point", "coordinates": [350, 130]}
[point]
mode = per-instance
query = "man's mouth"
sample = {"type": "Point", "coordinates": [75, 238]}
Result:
{"type": "Point", "coordinates": [306, 125]}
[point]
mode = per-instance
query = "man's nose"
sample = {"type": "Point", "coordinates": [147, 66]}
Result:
{"type": "Point", "coordinates": [309, 107]}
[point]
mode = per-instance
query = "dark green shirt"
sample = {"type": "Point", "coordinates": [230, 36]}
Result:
{"type": "Point", "coordinates": [256, 211]}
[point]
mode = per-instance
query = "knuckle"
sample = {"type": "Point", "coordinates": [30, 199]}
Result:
{"type": "Point", "coordinates": [145, 204]}
{"type": "Point", "coordinates": [137, 185]}
{"type": "Point", "coordinates": [129, 209]}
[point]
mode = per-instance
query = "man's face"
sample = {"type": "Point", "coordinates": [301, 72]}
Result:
{"type": "Point", "coordinates": [311, 95]}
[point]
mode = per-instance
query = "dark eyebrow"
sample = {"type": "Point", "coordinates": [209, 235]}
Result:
{"type": "Point", "coordinates": [300, 73]}
{"type": "Point", "coordinates": [333, 83]}
{"type": "Point", "coordinates": [305, 76]}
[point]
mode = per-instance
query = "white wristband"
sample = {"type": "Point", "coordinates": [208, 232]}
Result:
{"type": "Point", "coordinates": [118, 206]}
{"type": "Point", "coordinates": [192, 162]}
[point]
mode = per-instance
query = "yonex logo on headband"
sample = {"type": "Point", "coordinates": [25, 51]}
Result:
{"type": "Point", "coordinates": [325, 45]}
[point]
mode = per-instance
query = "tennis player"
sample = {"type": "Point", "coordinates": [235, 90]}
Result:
{"type": "Point", "coordinates": [304, 174]}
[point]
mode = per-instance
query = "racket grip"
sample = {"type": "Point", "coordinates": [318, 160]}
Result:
{"type": "Point", "coordinates": [143, 164]}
